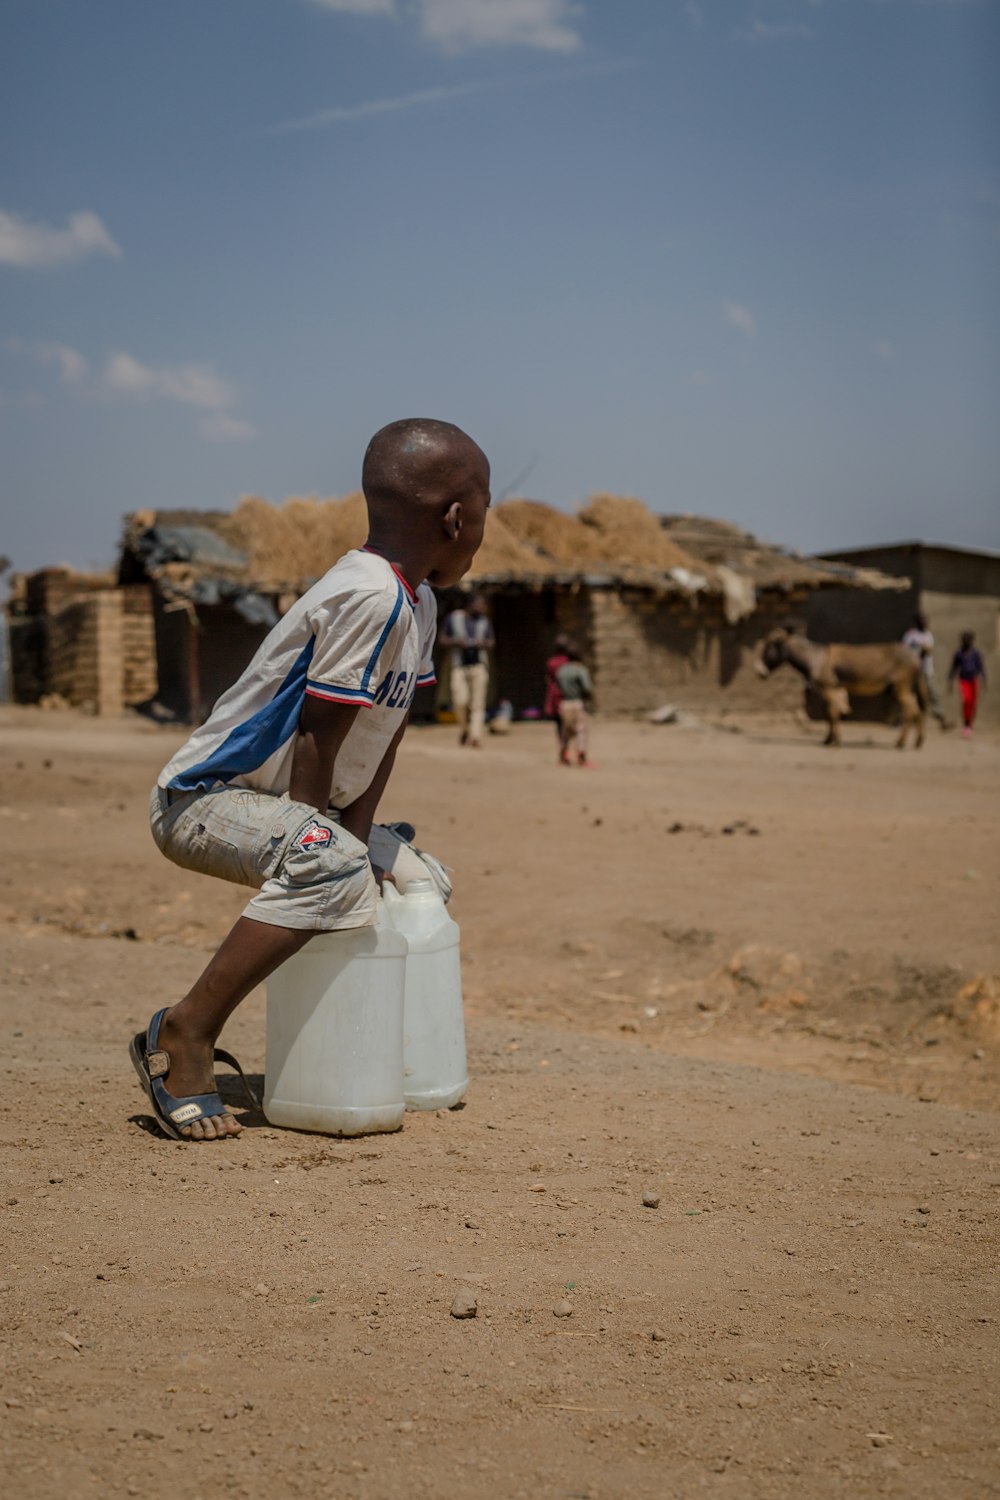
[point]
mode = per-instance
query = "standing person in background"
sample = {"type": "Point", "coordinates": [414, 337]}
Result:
{"type": "Point", "coordinates": [968, 667]}
{"type": "Point", "coordinates": [469, 636]}
{"type": "Point", "coordinates": [919, 639]}
{"type": "Point", "coordinates": [577, 690]}
{"type": "Point", "coordinates": [553, 697]}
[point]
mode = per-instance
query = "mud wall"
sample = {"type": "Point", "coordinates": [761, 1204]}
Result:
{"type": "Point", "coordinates": [138, 645]}
{"type": "Point", "coordinates": [85, 663]}
{"type": "Point", "coordinates": [647, 651]}
{"type": "Point", "coordinates": [949, 615]}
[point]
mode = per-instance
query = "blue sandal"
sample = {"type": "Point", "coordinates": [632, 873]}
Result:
{"type": "Point", "coordinates": [152, 1065]}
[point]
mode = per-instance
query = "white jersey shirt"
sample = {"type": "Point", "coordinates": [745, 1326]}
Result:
{"type": "Point", "coordinates": [360, 635]}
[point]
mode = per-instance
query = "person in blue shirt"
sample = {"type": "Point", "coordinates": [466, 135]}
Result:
{"type": "Point", "coordinates": [968, 669]}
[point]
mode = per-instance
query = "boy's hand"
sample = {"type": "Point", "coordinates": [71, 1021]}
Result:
{"type": "Point", "coordinates": [381, 876]}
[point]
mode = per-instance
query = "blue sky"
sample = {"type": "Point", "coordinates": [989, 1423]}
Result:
{"type": "Point", "coordinates": [735, 258]}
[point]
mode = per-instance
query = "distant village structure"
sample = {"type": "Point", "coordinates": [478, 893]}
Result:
{"type": "Point", "coordinates": [957, 588]}
{"type": "Point", "coordinates": [667, 609]}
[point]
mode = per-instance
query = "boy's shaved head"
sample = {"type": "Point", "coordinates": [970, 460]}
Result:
{"type": "Point", "coordinates": [408, 460]}
{"type": "Point", "coordinates": [427, 489]}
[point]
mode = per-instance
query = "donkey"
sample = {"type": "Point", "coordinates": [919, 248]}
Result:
{"type": "Point", "coordinates": [837, 671]}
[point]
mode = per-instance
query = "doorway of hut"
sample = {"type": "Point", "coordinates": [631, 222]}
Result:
{"type": "Point", "coordinates": [200, 653]}
{"type": "Point", "coordinates": [525, 623]}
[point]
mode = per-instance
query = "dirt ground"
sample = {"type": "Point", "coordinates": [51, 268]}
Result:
{"type": "Point", "coordinates": [746, 974]}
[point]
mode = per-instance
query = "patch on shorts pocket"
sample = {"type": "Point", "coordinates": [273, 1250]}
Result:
{"type": "Point", "coordinates": [313, 836]}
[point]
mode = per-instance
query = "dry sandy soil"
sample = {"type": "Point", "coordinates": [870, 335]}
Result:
{"type": "Point", "coordinates": [788, 1031]}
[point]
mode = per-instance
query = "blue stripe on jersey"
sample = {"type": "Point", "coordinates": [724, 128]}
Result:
{"type": "Point", "coordinates": [383, 637]}
{"type": "Point", "coordinates": [331, 690]}
{"type": "Point", "coordinates": [254, 741]}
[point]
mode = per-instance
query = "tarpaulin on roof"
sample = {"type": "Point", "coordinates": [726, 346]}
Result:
{"type": "Point", "coordinates": [159, 545]}
{"type": "Point", "coordinates": [251, 606]}
{"type": "Point", "coordinates": [161, 548]}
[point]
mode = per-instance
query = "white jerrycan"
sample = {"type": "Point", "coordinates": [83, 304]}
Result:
{"type": "Point", "coordinates": [335, 1033]}
{"type": "Point", "coordinates": [435, 1071]}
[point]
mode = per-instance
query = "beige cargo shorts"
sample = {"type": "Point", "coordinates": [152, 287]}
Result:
{"type": "Point", "coordinates": [308, 871]}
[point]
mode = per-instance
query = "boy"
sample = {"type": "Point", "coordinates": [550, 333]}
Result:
{"type": "Point", "coordinates": [576, 688]}
{"type": "Point", "coordinates": [279, 788]}
{"type": "Point", "coordinates": [469, 635]}
{"type": "Point", "coordinates": [968, 666]}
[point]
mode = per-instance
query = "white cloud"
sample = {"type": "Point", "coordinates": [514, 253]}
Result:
{"type": "Point", "coordinates": [70, 363]}
{"type": "Point", "coordinates": [338, 114]}
{"type": "Point", "coordinates": [220, 427]}
{"type": "Point", "coordinates": [359, 7]}
{"type": "Point", "coordinates": [192, 385]}
{"type": "Point", "coordinates": [740, 317]}
{"type": "Point", "coordinates": [126, 377]}
{"type": "Point", "coordinates": [546, 24]}
{"type": "Point", "coordinates": [768, 31]}
{"type": "Point", "coordinates": [23, 243]}
{"type": "Point", "coordinates": [458, 24]}
{"type": "Point", "coordinates": [195, 385]}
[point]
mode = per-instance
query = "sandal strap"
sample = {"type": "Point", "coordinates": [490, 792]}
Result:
{"type": "Point", "coordinates": [183, 1111]}
{"type": "Point", "coordinates": [153, 1031]}
{"type": "Point", "coordinates": [221, 1055]}
{"type": "Point", "coordinates": [158, 1065]}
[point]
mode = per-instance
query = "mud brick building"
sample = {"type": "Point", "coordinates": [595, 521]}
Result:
{"type": "Point", "coordinates": [78, 639]}
{"type": "Point", "coordinates": [665, 609]}
{"type": "Point", "coordinates": [680, 619]}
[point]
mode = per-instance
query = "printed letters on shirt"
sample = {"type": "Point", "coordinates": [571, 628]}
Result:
{"type": "Point", "coordinates": [396, 690]}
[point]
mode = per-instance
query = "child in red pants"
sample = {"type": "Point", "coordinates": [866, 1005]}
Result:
{"type": "Point", "coordinates": [968, 667]}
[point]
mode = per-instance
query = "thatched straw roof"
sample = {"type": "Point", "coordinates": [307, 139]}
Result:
{"type": "Point", "coordinates": [611, 533]}
{"type": "Point", "coordinates": [721, 544]}
{"type": "Point", "coordinates": [275, 548]}
{"type": "Point", "coordinates": [270, 550]}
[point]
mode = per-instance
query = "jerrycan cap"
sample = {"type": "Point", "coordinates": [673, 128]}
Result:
{"type": "Point", "coordinates": [419, 888]}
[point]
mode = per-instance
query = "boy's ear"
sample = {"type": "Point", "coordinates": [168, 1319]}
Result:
{"type": "Point", "coordinates": [452, 520]}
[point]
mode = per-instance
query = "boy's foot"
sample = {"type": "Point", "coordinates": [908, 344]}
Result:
{"type": "Point", "coordinates": [190, 1108]}
{"type": "Point", "coordinates": [192, 1071]}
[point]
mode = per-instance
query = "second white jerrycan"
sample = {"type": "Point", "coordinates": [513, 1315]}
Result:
{"type": "Point", "coordinates": [434, 1065]}
{"type": "Point", "coordinates": [335, 1033]}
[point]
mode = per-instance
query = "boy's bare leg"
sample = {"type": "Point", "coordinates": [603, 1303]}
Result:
{"type": "Point", "coordinates": [251, 951]}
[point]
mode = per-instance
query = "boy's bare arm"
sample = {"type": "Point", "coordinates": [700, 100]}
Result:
{"type": "Point", "coordinates": [359, 815]}
{"type": "Point", "coordinates": [323, 728]}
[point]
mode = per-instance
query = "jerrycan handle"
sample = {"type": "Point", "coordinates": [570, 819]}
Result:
{"type": "Point", "coordinates": [416, 890]}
